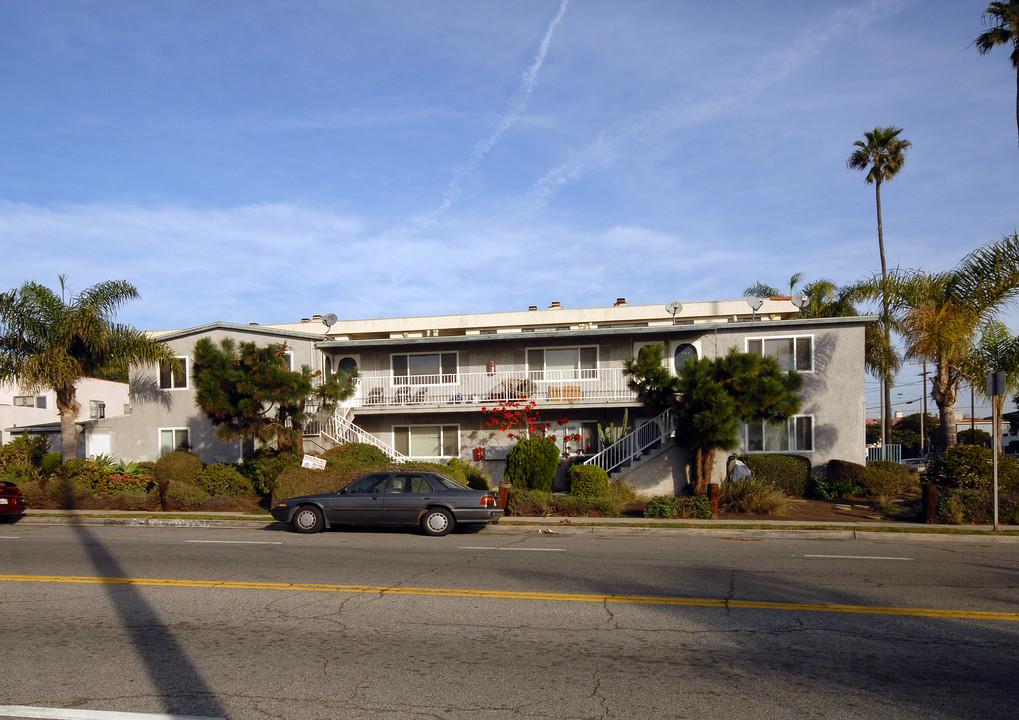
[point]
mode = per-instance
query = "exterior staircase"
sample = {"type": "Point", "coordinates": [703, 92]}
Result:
{"type": "Point", "coordinates": [338, 428]}
{"type": "Point", "coordinates": [630, 448]}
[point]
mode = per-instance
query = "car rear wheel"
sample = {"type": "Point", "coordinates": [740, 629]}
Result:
{"type": "Point", "coordinates": [436, 522]}
{"type": "Point", "coordinates": [308, 519]}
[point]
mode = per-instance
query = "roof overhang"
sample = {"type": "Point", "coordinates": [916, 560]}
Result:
{"type": "Point", "coordinates": [656, 331]}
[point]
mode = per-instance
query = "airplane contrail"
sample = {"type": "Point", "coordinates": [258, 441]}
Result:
{"type": "Point", "coordinates": [523, 95]}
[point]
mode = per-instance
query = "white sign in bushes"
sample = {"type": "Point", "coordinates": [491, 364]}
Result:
{"type": "Point", "coordinates": [313, 463]}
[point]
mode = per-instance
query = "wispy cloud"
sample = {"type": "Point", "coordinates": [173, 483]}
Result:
{"type": "Point", "coordinates": [649, 127]}
{"type": "Point", "coordinates": [523, 95]}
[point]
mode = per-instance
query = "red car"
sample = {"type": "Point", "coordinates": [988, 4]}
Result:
{"type": "Point", "coordinates": [11, 502]}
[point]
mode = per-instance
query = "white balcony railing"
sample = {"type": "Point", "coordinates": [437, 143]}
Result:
{"type": "Point", "coordinates": [547, 387]}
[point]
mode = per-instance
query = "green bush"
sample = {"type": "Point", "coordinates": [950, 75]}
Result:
{"type": "Point", "coordinates": [475, 476]}
{"type": "Point", "coordinates": [532, 464]}
{"type": "Point", "coordinates": [183, 495]}
{"type": "Point", "coordinates": [588, 481]}
{"type": "Point", "coordinates": [667, 506]}
{"type": "Point", "coordinates": [882, 478]}
{"type": "Point", "coordinates": [975, 506]}
{"type": "Point", "coordinates": [356, 453]}
{"type": "Point", "coordinates": [266, 466]}
{"type": "Point", "coordinates": [19, 473]}
{"type": "Point", "coordinates": [50, 462]}
{"type": "Point", "coordinates": [24, 450]}
{"type": "Point", "coordinates": [753, 495]}
{"type": "Point", "coordinates": [84, 473]}
{"type": "Point", "coordinates": [541, 503]}
{"type": "Point", "coordinates": [220, 479]}
{"type": "Point", "coordinates": [972, 467]}
{"type": "Point", "coordinates": [529, 503]}
{"type": "Point", "coordinates": [178, 466]}
{"type": "Point", "coordinates": [789, 473]}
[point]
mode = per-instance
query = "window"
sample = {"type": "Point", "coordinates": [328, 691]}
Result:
{"type": "Point", "coordinates": [427, 441]}
{"type": "Point", "coordinates": [171, 439]}
{"type": "Point", "coordinates": [683, 353]}
{"type": "Point", "coordinates": [581, 438]}
{"type": "Point", "coordinates": [173, 378]}
{"type": "Point", "coordinates": [96, 409]}
{"type": "Point", "coordinates": [425, 369]}
{"type": "Point", "coordinates": [792, 353]}
{"type": "Point", "coordinates": [795, 434]}
{"type": "Point", "coordinates": [30, 401]}
{"type": "Point", "coordinates": [553, 364]}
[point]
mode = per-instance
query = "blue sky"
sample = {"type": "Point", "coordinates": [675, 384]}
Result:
{"type": "Point", "coordinates": [264, 161]}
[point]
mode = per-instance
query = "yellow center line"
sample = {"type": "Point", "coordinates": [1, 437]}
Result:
{"type": "Point", "coordinates": [518, 595]}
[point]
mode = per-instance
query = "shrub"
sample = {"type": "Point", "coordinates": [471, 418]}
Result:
{"type": "Point", "coordinates": [588, 481]}
{"type": "Point", "coordinates": [789, 473]}
{"type": "Point", "coordinates": [356, 453]}
{"type": "Point", "coordinates": [884, 479]}
{"type": "Point", "coordinates": [842, 479]}
{"type": "Point", "coordinates": [19, 473]}
{"type": "Point", "coordinates": [84, 473]}
{"type": "Point", "coordinates": [621, 492]}
{"type": "Point", "coordinates": [178, 466]}
{"type": "Point", "coordinates": [183, 495]}
{"type": "Point", "coordinates": [475, 476]}
{"type": "Point", "coordinates": [667, 506]}
{"type": "Point", "coordinates": [50, 462]}
{"type": "Point", "coordinates": [532, 464]}
{"type": "Point", "coordinates": [220, 479]}
{"type": "Point", "coordinates": [266, 466]}
{"type": "Point", "coordinates": [972, 467]}
{"type": "Point", "coordinates": [24, 450]}
{"type": "Point", "coordinates": [529, 502]}
{"type": "Point", "coordinates": [755, 495]}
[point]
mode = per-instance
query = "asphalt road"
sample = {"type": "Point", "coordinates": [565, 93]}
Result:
{"type": "Point", "coordinates": [504, 623]}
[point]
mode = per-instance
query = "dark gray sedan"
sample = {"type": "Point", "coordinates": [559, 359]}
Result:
{"type": "Point", "coordinates": [433, 502]}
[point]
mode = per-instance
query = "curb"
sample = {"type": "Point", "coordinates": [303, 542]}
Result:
{"type": "Point", "coordinates": [779, 529]}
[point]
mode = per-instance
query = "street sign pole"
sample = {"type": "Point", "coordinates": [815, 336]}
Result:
{"type": "Point", "coordinates": [995, 387]}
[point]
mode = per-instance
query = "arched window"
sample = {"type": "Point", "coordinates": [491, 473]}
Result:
{"type": "Point", "coordinates": [683, 353]}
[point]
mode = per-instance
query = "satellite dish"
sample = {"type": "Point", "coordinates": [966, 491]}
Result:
{"type": "Point", "coordinates": [800, 300]}
{"type": "Point", "coordinates": [755, 303]}
{"type": "Point", "coordinates": [673, 308]}
{"type": "Point", "coordinates": [329, 320]}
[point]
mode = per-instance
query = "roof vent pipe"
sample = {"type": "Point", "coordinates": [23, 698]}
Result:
{"type": "Point", "coordinates": [555, 305]}
{"type": "Point", "coordinates": [620, 301]}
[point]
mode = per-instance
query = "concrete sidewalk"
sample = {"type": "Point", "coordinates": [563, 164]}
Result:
{"type": "Point", "coordinates": [562, 525]}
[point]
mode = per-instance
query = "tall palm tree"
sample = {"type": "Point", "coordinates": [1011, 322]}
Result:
{"type": "Point", "coordinates": [997, 351]}
{"type": "Point", "coordinates": [51, 341]}
{"type": "Point", "coordinates": [1002, 21]}
{"type": "Point", "coordinates": [882, 155]}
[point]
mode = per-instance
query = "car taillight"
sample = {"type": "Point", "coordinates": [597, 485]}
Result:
{"type": "Point", "coordinates": [488, 501]}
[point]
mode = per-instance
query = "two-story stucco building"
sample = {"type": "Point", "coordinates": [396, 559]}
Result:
{"type": "Point", "coordinates": [425, 382]}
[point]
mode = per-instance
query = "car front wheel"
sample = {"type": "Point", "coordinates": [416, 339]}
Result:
{"type": "Point", "coordinates": [308, 519]}
{"type": "Point", "coordinates": [437, 522]}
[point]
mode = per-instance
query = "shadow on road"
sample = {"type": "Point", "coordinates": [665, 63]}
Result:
{"type": "Point", "coordinates": [176, 679]}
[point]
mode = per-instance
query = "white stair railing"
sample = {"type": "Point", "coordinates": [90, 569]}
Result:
{"type": "Point", "coordinates": [631, 446]}
{"type": "Point", "coordinates": [340, 430]}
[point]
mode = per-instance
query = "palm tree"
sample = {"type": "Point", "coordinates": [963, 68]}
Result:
{"type": "Point", "coordinates": [882, 155]}
{"type": "Point", "coordinates": [49, 341]}
{"type": "Point", "coordinates": [997, 351]}
{"type": "Point", "coordinates": [940, 314]}
{"type": "Point", "coordinates": [1002, 21]}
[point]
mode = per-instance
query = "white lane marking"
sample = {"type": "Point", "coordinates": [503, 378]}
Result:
{"type": "Point", "coordinates": [24, 711]}
{"type": "Point", "coordinates": [468, 547]}
{"type": "Point", "coordinates": [856, 557]}
{"type": "Point", "coordinates": [238, 542]}
{"type": "Point", "coordinates": [9, 537]}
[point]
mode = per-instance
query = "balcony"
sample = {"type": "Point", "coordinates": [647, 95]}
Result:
{"type": "Point", "coordinates": [570, 388]}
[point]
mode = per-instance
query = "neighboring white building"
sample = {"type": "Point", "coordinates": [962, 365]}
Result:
{"type": "Point", "coordinates": [424, 381]}
{"type": "Point", "coordinates": [37, 412]}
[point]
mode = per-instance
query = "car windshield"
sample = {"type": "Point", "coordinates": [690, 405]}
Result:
{"type": "Point", "coordinates": [369, 483]}
{"type": "Point", "coordinates": [451, 484]}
